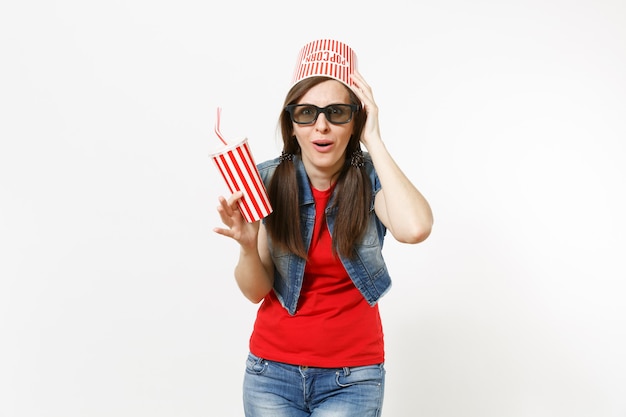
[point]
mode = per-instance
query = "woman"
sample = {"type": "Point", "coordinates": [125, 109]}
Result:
{"type": "Point", "coordinates": [317, 345]}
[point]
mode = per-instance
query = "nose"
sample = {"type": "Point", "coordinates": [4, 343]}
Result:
{"type": "Point", "coordinates": [322, 122]}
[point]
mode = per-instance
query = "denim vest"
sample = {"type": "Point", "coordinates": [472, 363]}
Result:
{"type": "Point", "coordinates": [367, 269]}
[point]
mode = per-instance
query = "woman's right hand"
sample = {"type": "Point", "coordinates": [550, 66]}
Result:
{"type": "Point", "coordinates": [238, 228]}
{"type": "Point", "coordinates": [254, 270]}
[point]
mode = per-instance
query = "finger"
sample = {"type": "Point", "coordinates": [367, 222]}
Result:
{"type": "Point", "coordinates": [232, 218]}
{"type": "Point", "coordinates": [367, 100]}
{"type": "Point", "coordinates": [360, 82]}
{"type": "Point", "coordinates": [225, 213]}
{"type": "Point", "coordinates": [225, 208]}
{"type": "Point", "coordinates": [223, 232]}
{"type": "Point", "coordinates": [237, 195]}
{"type": "Point", "coordinates": [231, 206]}
{"type": "Point", "coordinates": [234, 199]}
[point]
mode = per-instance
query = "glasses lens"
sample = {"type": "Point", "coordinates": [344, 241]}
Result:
{"type": "Point", "coordinates": [339, 113]}
{"type": "Point", "coordinates": [307, 113]}
{"type": "Point", "coordinates": [304, 114]}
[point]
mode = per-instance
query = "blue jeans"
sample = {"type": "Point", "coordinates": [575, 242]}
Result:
{"type": "Point", "coordinates": [274, 389]}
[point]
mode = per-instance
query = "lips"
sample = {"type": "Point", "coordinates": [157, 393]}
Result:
{"type": "Point", "coordinates": [322, 145]}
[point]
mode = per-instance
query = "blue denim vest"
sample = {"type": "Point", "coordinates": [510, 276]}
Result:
{"type": "Point", "coordinates": [367, 269]}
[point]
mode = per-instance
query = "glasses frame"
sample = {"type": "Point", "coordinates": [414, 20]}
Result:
{"type": "Point", "coordinates": [326, 110]}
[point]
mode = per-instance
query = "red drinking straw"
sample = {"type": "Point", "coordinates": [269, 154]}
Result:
{"type": "Point", "coordinates": [217, 126]}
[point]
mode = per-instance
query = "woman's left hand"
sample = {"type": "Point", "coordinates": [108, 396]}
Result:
{"type": "Point", "coordinates": [371, 130]}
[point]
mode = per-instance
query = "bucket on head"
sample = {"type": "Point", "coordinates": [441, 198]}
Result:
{"type": "Point", "coordinates": [325, 57]}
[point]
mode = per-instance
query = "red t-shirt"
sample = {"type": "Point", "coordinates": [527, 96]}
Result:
{"type": "Point", "coordinates": [334, 326]}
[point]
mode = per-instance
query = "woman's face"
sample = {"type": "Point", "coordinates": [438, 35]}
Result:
{"type": "Point", "coordinates": [322, 143]}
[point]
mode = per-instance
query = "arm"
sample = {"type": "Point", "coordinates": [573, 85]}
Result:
{"type": "Point", "coordinates": [399, 204]}
{"type": "Point", "coordinates": [254, 271]}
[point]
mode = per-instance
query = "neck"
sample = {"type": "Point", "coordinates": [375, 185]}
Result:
{"type": "Point", "coordinates": [321, 179]}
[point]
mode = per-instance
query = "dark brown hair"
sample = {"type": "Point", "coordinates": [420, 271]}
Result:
{"type": "Point", "coordinates": [353, 191]}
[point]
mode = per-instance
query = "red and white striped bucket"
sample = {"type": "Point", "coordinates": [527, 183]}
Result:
{"type": "Point", "coordinates": [325, 57]}
{"type": "Point", "coordinates": [236, 164]}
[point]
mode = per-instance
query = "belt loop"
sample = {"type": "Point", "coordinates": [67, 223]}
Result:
{"type": "Point", "coordinates": [346, 371]}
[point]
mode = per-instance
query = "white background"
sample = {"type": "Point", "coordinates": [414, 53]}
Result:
{"type": "Point", "coordinates": [117, 299]}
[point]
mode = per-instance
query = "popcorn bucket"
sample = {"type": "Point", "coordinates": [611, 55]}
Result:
{"type": "Point", "coordinates": [236, 164]}
{"type": "Point", "coordinates": [325, 57]}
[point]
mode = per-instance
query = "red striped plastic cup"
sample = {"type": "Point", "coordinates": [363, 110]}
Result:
{"type": "Point", "coordinates": [236, 164]}
{"type": "Point", "coordinates": [325, 57]}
